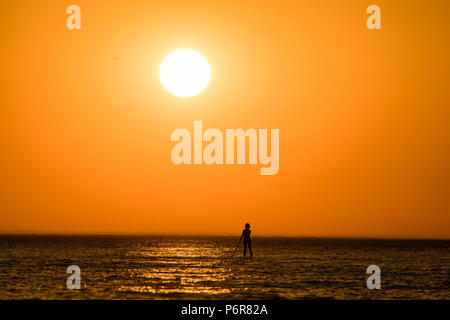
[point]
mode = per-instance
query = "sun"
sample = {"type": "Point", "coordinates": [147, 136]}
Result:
{"type": "Point", "coordinates": [185, 73]}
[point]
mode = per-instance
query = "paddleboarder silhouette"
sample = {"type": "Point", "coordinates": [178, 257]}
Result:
{"type": "Point", "coordinates": [247, 240]}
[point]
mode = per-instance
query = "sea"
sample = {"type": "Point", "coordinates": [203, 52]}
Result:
{"type": "Point", "coordinates": [204, 267]}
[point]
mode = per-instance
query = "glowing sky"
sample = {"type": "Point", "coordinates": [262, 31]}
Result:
{"type": "Point", "coordinates": [364, 118]}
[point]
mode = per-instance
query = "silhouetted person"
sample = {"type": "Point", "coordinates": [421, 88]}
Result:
{"type": "Point", "coordinates": [247, 241]}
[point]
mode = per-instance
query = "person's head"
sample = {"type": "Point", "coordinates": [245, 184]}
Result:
{"type": "Point", "coordinates": [247, 225]}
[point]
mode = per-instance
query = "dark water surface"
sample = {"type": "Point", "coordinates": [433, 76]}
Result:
{"type": "Point", "coordinates": [158, 267]}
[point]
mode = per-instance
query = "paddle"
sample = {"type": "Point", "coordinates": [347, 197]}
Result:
{"type": "Point", "coordinates": [236, 247]}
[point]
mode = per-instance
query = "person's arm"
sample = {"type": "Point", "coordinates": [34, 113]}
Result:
{"type": "Point", "coordinates": [241, 235]}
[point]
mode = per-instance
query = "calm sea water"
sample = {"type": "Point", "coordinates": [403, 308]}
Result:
{"type": "Point", "coordinates": [146, 267]}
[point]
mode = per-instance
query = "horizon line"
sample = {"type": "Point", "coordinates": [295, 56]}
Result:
{"type": "Point", "coordinates": [371, 237]}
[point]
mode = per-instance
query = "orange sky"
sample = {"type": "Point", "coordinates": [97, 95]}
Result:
{"type": "Point", "coordinates": [364, 118]}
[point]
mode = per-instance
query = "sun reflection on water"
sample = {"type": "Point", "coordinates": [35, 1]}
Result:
{"type": "Point", "coordinates": [182, 269]}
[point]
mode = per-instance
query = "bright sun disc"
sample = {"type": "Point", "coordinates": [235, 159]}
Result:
{"type": "Point", "coordinates": [185, 73]}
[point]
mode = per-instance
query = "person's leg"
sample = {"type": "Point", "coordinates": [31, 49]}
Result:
{"type": "Point", "coordinates": [250, 248]}
{"type": "Point", "coordinates": [245, 248]}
